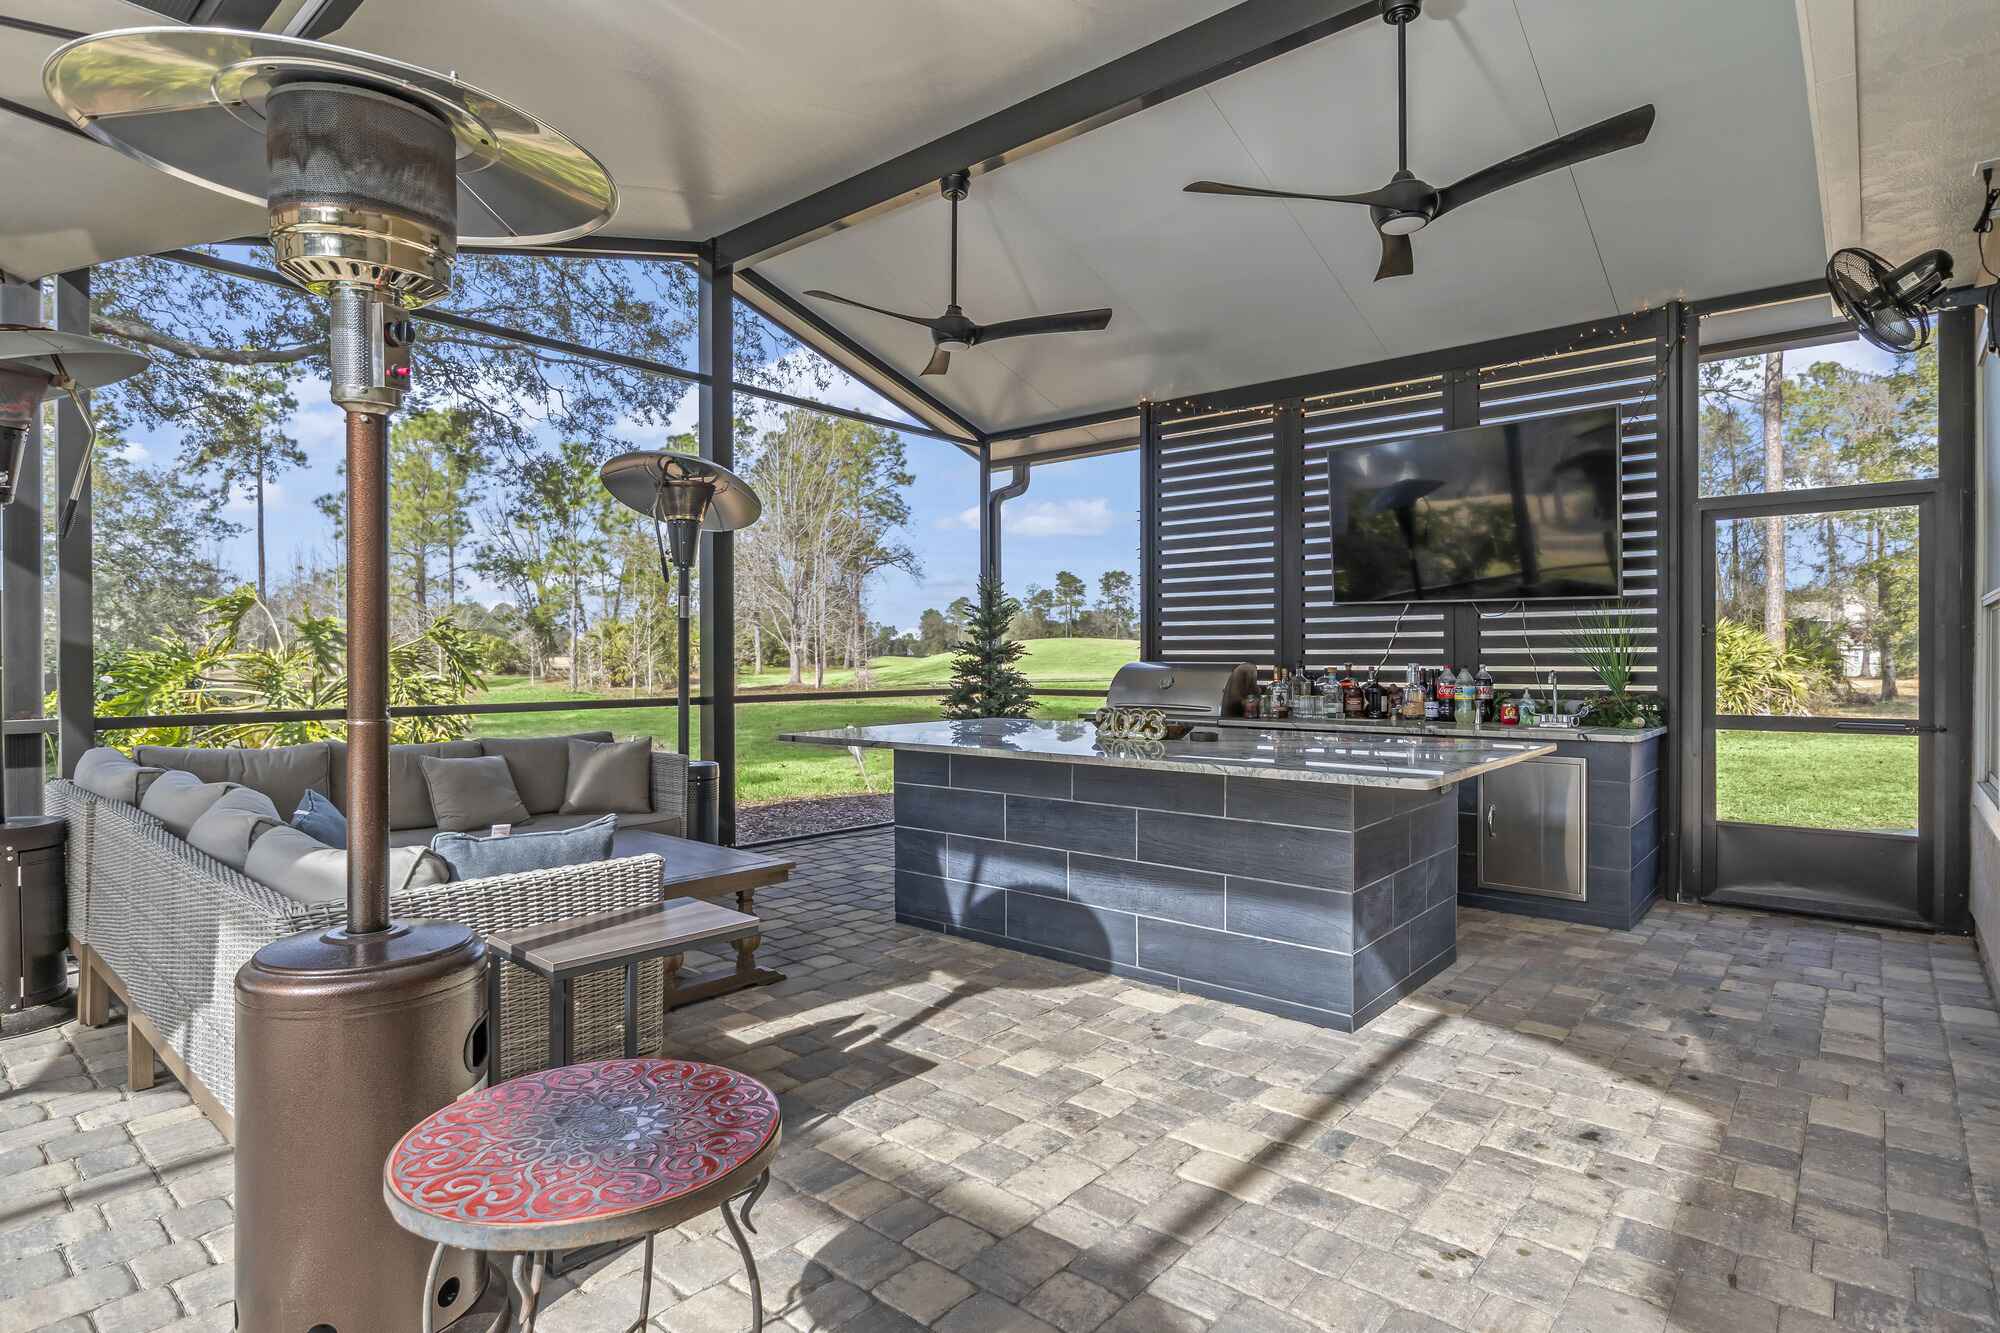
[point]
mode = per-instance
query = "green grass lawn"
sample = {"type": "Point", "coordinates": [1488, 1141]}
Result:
{"type": "Point", "coordinates": [767, 769]}
{"type": "Point", "coordinates": [1816, 781]}
{"type": "Point", "coordinates": [1057, 663]}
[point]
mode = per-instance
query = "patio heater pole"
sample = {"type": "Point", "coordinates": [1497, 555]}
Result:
{"type": "Point", "coordinates": [345, 1036]}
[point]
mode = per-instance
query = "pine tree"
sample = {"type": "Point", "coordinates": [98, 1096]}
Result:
{"type": "Point", "coordinates": [984, 680]}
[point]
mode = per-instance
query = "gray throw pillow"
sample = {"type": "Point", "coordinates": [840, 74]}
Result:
{"type": "Point", "coordinates": [308, 871]}
{"type": "Point", "coordinates": [228, 828]}
{"type": "Point", "coordinates": [318, 816]}
{"type": "Point", "coordinates": [177, 799]}
{"type": "Point", "coordinates": [106, 772]}
{"type": "Point", "coordinates": [617, 777]}
{"type": "Point", "coordinates": [540, 765]}
{"type": "Point", "coordinates": [476, 858]}
{"type": "Point", "coordinates": [409, 794]}
{"type": "Point", "coordinates": [473, 793]}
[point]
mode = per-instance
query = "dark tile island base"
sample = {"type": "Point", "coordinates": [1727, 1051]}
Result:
{"type": "Point", "coordinates": [1320, 902]}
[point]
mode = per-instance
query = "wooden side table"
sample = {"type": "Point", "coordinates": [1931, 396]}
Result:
{"type": "Point", "coordinates": [702, 870]}
{"type": "Point", "coordinates": [582, 1155]}
{"type": "Point", "coordinates": [562, 951]}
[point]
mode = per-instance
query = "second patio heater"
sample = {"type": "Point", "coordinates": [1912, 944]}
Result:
{"type": "Point", "coordinates": [373, 172]}
{"type": "Point", "coordinates": [37, 364]}
{"type": "Point", "coordinates": [685, 496]}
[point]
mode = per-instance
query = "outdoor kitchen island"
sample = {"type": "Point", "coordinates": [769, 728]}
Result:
{"type": "Point", "coordinates": [1313, 876]}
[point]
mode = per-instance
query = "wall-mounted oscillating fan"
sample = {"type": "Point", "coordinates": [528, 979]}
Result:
{"type": "Point", "coordinates": [1889, 305]}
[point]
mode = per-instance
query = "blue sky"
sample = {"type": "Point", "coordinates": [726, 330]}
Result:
{"type": "Point", "coordinates": [1081, 515]}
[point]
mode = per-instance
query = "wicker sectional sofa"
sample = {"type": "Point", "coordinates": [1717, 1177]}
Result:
{"type": "Point", "coordinates": [164, 927]}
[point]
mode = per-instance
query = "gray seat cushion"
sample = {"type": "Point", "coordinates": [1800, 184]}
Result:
{"type": "Point", "coordinates": [473, 794]}
{"type": "Point", "coordinates": [540, 765]}
{"type": "Point", "coordinates": [111, 774]}
{"type": "Point", "coordinates": [177, 799]}
{"type": "Point", "coordinates": [284, 773]}
{"type": "Point", "coordinates": [306, 870]}
{"type": "Point", "coordinates": [228, 828]}
{"type": "Point", "coordinates": [617, 776]}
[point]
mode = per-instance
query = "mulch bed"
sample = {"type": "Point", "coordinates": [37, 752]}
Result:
{"type": "Point", "coordinates": [811, 814]}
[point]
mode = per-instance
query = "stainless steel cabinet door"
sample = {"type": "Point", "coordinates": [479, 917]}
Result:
{"type": "Point", "coordinates": [1531, 828]}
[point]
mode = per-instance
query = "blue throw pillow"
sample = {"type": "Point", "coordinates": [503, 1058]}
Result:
{"type": "Point", "coordinates": [471, 856]}
{"type": "Point", "coordinates": [319, 818]}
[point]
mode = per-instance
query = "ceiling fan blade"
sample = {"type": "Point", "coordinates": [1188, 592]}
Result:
{"type": "Point", "coordinates": [939, 363]}
{"type": "Point", "coordinates": [1399, 258]}
{"type": "Point", "coordinates": [1374, 197]}
{"type": "Point", "coordinates": [1073, 321]}
{"type": "Point", "coordinates": [1606, 136]}
{"type": "Point", "coordinates": [892, 314]}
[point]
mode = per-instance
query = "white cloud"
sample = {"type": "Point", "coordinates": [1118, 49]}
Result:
{"type": "Point", "coordinates": [1090, 517]}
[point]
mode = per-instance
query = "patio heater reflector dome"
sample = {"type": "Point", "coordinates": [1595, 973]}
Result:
{"type": "Point", "coordinates": [684, 496]}
{"type": "Point", "coordinates": [38, 363]}
{"type": "Point", "coordinates": [372, 173]}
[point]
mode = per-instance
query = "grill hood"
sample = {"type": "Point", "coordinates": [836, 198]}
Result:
{"type": "Point", "coordinates": [1201, 690]}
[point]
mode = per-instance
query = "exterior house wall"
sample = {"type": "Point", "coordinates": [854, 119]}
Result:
{"type": "Point", "coordinates": [1985, 895]}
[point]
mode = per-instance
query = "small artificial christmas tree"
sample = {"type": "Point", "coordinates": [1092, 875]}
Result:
{"type": "Point", "coordinates": [984, 680]}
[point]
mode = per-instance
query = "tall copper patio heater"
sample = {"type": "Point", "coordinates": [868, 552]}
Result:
{"type": "Point", "coordinates": [685, 496]}
{"type": "Point", "coordinates": [373, 172]}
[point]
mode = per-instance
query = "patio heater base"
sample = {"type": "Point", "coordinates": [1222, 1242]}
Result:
{"type": "Point", "coordinates": [342, 1043]}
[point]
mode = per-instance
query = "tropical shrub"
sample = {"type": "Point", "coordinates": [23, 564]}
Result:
{"type": "Point", "coordinates": [302, 668]}
{"type": "Point", "coordinates": [1755, 678]}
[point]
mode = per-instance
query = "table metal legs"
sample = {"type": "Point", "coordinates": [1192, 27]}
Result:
{"type": "Point", "coordinates": [559, 1024]}
{"type": "Point", "coordinates": [743, 1248]}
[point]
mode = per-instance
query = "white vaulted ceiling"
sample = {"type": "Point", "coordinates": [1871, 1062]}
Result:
{"type": "Point", "coordinates": [1213, 292]}
{"type": "Point", "coordinates": [711, 113]}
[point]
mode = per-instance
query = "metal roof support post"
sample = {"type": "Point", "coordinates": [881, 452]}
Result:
{"type": "Point", "coordinates": [76, 641]}
{"type": "Point", "coordinates": [716, 335]}
{"type": "Point", "coordinates": [21, 593]}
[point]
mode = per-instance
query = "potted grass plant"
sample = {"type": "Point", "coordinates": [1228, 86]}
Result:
{"type": "Point", "coordinates": [1609, 646]}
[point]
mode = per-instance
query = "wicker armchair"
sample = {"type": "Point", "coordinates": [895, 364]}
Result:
{"type": "Point", "coordinates": [166, 927]}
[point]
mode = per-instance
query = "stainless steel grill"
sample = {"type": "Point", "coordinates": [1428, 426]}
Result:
{"type": "Point", "coordinates": [1186, 692]}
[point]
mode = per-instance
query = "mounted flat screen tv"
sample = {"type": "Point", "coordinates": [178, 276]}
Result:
{"type": "Point", "coordinates": [1523, 510]}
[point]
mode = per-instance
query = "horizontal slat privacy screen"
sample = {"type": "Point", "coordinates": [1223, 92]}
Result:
{"type": "Point", "coordinates": [1526, 644]}
{"type": "Point", "coordinates": [1243, 566]}
{"type": "Point", "coordinates": [1217, 552]}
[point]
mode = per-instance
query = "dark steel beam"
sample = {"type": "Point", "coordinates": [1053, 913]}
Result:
{"type": "Point", "coordinates": [1227, 43]}
{"type": "Point", "coordinates": [320, 19]}
{"type": "Point", "coordinates": [1957, 612]}
{"type": "Point", "coordinates": [564, 347]}
{"type": "Point", "coordinates": [40, 29]}
{"type": "Point", "coordinates": [1801, 290]}
{"type": "Point", "coordinates": [41, 118]}
{"type": "Point", "coordinates": [807, 324]}
{"type": "Point", "coordinates": [76, 632]}
{"type": "Point", "coordinates": [717, 436]}
{"type": "Point", "coordinates": [21, 594]}
{"type": "Point", "coordinates": [1104, 418]}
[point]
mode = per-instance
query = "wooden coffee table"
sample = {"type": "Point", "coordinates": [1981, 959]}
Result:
{"type": "Point", "coordinates": [703, 870]}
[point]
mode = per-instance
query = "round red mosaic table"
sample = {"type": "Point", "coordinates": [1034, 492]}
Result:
{"type": "Point", "coordinates": [606, 1151]}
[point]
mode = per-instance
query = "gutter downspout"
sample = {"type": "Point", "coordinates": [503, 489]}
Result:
{"type": "Point", "coordinates": [989, 525]}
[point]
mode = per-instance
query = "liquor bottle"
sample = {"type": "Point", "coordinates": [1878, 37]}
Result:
{"type": "Point", "coordinates": [1483, 683]}
{"type": "Point", "coordinates": [1433, 709]}
{"type": "Point", "coordinates": [1465, 699]}
{"type": "Point", "coordinates": [1371, 697]}
{"type": "Point", "coordinates": [1352, 702]}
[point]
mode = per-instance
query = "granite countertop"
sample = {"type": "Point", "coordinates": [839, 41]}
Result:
{"type": "Point", "coordinates": [1323, 725]}
{"type": "Point", "coordinates": [1414, 763]}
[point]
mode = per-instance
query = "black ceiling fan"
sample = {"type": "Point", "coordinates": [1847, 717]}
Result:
{"type": "Point", "coordinates": [1408, 203]}
{"type": "Point", "coordinates": [952, 331]}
